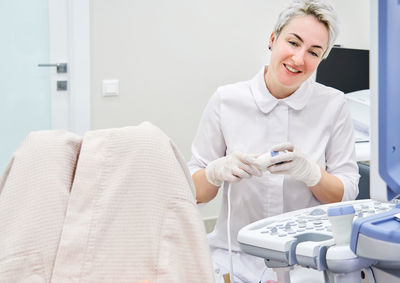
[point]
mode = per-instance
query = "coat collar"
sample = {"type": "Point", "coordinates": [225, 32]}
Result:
{"type": "Point", "coordinates": [266, 102]}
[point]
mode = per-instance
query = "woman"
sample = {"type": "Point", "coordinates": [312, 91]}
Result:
{"type": "Point", "coordinates": [280, 109]}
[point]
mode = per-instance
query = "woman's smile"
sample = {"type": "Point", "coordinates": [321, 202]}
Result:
{"type": "Point", "coordinates": [291, 69]}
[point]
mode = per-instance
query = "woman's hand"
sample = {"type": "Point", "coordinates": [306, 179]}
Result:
{"type": "Point", "coordinates": [295, 164]}
{"type": "Point", "coordinates": [231, 168]}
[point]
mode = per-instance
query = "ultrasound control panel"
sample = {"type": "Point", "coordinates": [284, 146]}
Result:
{"type": "Point", "coordinates": [300, 237]}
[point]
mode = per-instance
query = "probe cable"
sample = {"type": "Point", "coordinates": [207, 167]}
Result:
{"type": "Point", "coordinates": [228, 229]}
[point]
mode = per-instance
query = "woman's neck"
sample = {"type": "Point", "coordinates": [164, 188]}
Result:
{"type": "Point", "coordinates": [277, 90]}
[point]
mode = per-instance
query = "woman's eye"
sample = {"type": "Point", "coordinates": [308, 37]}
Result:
{"type": "Point", "coordinates": [293, 43]}
{"type": "Point", "coordinates": [314, 54]}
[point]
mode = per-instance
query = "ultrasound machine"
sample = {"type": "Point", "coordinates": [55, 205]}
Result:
{"type": "Point", "coordinates": [355, 241]}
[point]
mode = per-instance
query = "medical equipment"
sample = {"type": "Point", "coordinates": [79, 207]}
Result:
{"type": "Point", "coordinates": [341, 220]}
{"type": "Point", "coordinates": [304, 237]}
{"type": "Point", "coordinates": [346, 69]}
{"type": "Point", "coordinates": [264, 160]}
{"type": "Point", "coordinates": [359, 104]}
{"type": "Point", "coordinates": [228, 231]}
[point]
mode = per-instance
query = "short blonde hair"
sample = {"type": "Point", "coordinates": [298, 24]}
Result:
{"type": "Point", "coordinates": [320, 9]}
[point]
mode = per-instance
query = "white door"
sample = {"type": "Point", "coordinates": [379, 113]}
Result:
{"type": "Point", "coordinates": [43, 32]}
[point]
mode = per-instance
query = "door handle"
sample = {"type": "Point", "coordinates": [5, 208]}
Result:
{"type": "Point", "coordinates": [61, 67]}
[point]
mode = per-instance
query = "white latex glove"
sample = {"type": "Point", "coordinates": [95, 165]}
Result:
{"type": "Point", "coordinates": [263, 161]}
{"type": "Point", "coordinates": [295, 164]}
{"type": "Point", "coordinates": [231, 168]}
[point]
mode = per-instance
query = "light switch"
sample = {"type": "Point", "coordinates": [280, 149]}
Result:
{"type": "Point", "coordinates": [110, 87]}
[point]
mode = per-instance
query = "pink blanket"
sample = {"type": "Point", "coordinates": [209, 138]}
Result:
{"type": "Point", "coordinates": [124, 212]}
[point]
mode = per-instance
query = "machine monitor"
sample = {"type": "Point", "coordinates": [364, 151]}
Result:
{"type": "Point", "coordinates": [345, 69]}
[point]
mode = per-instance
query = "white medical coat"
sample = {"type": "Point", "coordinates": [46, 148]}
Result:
{"type": "Point", "coordinates": [244, 116]}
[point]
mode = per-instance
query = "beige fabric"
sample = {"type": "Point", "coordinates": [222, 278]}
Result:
{"type": "Point", "coordinates": [34, 193]}
{"type": "Point", "coordinates": [131, 215]}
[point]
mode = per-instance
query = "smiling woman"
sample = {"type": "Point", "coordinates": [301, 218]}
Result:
{"type": "Point", "coordinates": [297, 51]}
{"type": "Point", "coordinates": [281, 109]}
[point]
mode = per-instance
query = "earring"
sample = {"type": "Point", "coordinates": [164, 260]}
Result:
{"type": "Point", "coordinates": [269, 47]}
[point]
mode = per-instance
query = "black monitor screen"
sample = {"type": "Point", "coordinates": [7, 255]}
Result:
{"type": "Point", "coordinates": [345, 69]}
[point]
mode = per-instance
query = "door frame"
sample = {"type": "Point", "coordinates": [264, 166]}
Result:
{"type": "Point", "coordinates": [69, 30]}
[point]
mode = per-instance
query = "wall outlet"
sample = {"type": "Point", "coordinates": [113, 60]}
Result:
{"type": "Point", "coordinates": [110, 87]}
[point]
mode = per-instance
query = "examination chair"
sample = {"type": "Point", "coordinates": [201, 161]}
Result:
{"type": "Point", "coordinates": [363, 184]}
{"type": "Point", "coordinates": [117, 205]}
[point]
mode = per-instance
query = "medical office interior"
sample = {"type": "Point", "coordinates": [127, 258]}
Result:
{"type": "Point", "coordinates": [128, 61]}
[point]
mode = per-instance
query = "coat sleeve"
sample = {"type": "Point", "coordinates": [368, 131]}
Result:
{"type": "Point", "coordinates": [209, 142]}
{"type": "Point", "coordinates": [340, 153]}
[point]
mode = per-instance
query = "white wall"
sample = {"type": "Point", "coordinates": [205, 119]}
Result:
{"type": "Point", "coordinates": [354, 19]}
{"type": "Point", "coordinates": [170, 56]}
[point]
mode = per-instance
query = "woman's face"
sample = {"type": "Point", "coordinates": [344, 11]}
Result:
{"type": "Point", "coordinates": [295, 54]}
